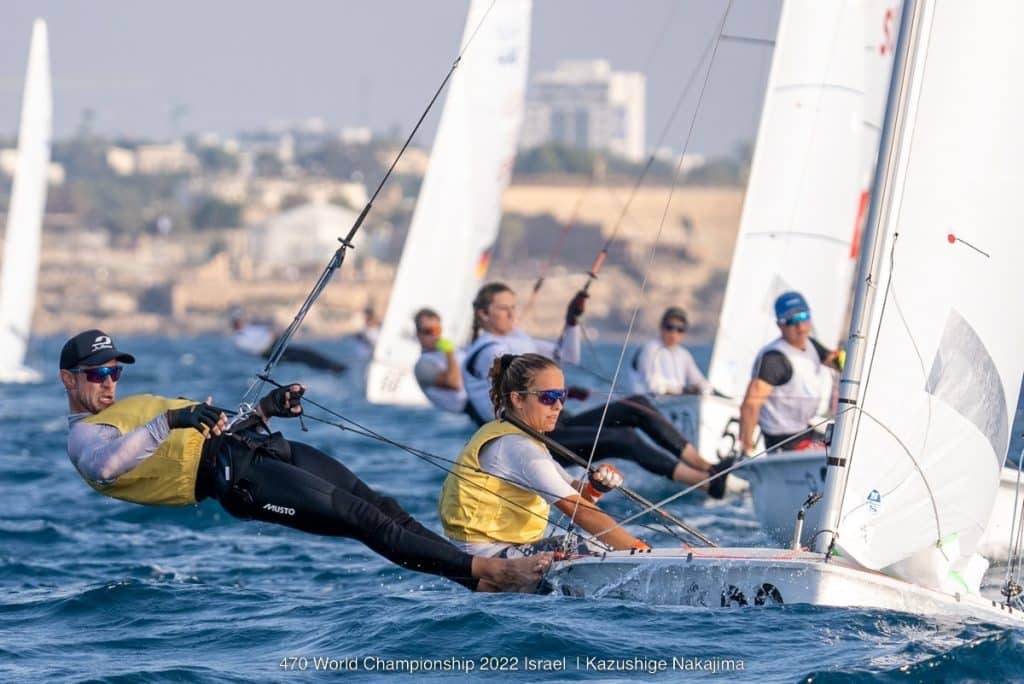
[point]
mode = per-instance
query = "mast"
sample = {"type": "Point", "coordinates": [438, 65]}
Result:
{"type": "Point", "coordinates": [850, 387]}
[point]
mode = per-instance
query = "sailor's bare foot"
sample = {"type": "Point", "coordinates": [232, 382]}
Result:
{"type": "Point", "coordinates": [515, 574]}
{"type": "Point", "coordinates": [692, 458]}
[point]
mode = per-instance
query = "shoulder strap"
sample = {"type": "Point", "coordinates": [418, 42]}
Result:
{"type": "Point", "coordinates": [472, 359]}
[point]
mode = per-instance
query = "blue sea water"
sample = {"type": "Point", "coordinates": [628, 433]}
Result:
{"type": "Point", "coordinates": [93, 589]}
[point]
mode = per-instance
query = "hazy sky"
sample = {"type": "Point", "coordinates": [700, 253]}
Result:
{"type": "Point", "coordinates": [240, 64]}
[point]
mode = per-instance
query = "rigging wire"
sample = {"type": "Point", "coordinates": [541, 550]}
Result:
{"type": "Point", "coordinates": [740, 463]}
{"type": "Point", "coordinates": [628, 493]}
{"type": "Point", "coordinates": [649, 163]}
{"type": "Point", "coordinates": [446, 464]}
{"type": "Point", "coordinates": [339, 256]}
{"type": "Point", "coordinates": [574, 215]}
{"type": "Point", "coordinates": [654, 247]}
{"type": "Point", "coordinates": [1014, 566]}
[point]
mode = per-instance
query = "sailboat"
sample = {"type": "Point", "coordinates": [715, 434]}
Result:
{"type": "Point", "coordinates": [934, 368]}
{"type": "Point", "coordinates": [25, 215]}
{"type": "Point", "coordinates": [782, 481]}
{"type": "Point", "coordinates": [803, 210]}
{"type": "Point", "coordinates": [459, 209]}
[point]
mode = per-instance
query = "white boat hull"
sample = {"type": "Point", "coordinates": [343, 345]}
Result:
{"type": "Point", "coordinates": [728, 577]}
{"type": "Point", "coordinates": [781, 482]}
{"type": "Point", "coordinates": [20, 375]}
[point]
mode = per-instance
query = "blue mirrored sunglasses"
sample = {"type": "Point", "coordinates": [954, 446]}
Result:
{"type": "Point", "coordinates": [798, 318]}
{"type": "Point", "coordinates": [98, 375]}
{"type": "Point", "coordinates": [549, 397]}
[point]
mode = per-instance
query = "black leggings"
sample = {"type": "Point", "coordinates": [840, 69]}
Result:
{"type": "Point", "coordinates": [619, 438]}
{"type": "Point", "coordinates": [317, 494]}
{"type": "Point", "coordinates": [308, 357]}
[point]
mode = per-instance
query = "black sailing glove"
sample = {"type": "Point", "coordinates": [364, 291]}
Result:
{"type": "Point", "coordinates": [576, 307]}
{"type": "Point", "coordinates": [200, 417]}
{"type": "Point", "coordinates": [279, 402]}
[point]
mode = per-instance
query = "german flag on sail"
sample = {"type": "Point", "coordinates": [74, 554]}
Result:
{"type": "Point", "coordinates": [482, 263]}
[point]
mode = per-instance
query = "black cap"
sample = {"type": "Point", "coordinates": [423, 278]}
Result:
{"type": "Point", "coordinates": [673, 313]}
{"type": "Point", "coordinates": [91, 348]}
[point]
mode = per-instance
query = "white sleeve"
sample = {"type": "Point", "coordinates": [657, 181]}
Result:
{"type": "Point", "coordinates": [691, 372]}
{"type": "Point", "coordinates": [102, 454]}
{"type": "Point", "coordinates": [653, 371]}
{"type": "Point", "coordinates": [521, 461]}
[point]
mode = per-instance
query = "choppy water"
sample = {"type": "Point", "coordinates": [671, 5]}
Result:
{"type": "Point", "coordinates": [93, 589]}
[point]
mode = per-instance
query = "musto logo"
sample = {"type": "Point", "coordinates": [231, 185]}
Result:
{"type": "Point", "coordinates": [283, 510]}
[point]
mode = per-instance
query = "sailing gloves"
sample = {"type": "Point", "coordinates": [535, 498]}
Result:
{"type": "Point", "coordinates": [202, 417]}
{"type": "Point", "coordinates": [282, 401]}
{"type": "Point", "coordinates": [602, 480]}
{"type": "Point", "coordinates": [576, 307]}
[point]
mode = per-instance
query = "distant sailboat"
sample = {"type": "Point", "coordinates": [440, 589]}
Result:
{"type": "Point", "coordinates": [934, 366]}
{"type": "Point", "coordinates": [801, 216]}
{"type": "Point", "coordinates": [25, 215]}
{"type": "Point", "coordinates": [780, 482]}
{"type": "Point", "coordinates": [459, 208]}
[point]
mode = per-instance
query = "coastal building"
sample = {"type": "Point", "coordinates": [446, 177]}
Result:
{"type": "Point", "coordinates": [587, 105]}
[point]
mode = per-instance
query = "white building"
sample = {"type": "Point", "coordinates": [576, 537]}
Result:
{"type": "Point", "coordinates": [304, 236]}
{"type": "Point", "coordinates": [586, 104]}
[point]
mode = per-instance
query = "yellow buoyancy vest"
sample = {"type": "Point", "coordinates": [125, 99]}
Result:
{"type": "Point", "coordinates": [168, 476]}
{"type": "Point", "coordinates": [478, 507]}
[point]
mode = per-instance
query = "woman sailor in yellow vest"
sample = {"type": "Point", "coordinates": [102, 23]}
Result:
{"type": "Point", "coordinates": [153, 450]}
{"type": "Point", "coordinates": [497, 497]}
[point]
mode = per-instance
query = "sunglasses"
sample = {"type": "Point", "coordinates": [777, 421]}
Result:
{"type": "Point", "coordinates": [668, 327]}
{"type": "Point", "coordinates": [549, 397]}
{"type": "Point", "coordinates": [99, 375]}
{"type": "Point", "coordinates": [798, 318]}
{"type": "Point", "coordinates": [436, 330]}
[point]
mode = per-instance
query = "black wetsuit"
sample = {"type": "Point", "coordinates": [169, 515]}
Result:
{"type": "Point", "coordinates": [305, 355]}
{"type": "Point", "coordinates": [259, 477]}
{"type": "Point", "coordinates": [619, 436]}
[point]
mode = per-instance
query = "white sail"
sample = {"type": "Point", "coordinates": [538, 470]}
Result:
{"type": "Point", "coordinates": [25, 215]}
{"type": "Point", "coordinates": [881, 24]}
{"type": "Point", "coordinates": [459, 207]}
{"type": "Point", "coordinates": [943, 360]}
{"type": "Point", "coordinates": [800, 213]}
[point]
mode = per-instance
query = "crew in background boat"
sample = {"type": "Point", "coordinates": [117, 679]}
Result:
{"type": "Point", "coordinates": [495, 333]}
{"type": "Point", "coordinates": [790, 382]}
{"type": "Point", "coordinates": [438, 370]}
{"type": "Point", "coordinates": [259, 339]}
{"type": "Point", "coordinates": [664, 365]}
{"type": "Point", "coordinates": [497, 498]}
{"type": "Point", "coordinates": [153, 450]}
{"type": "Point", "coordinates": [366, 339]}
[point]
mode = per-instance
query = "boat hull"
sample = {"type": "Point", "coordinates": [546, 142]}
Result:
{"type": "Point", "coordinates": [780, 483]}
{"type": "Point", "coordinates": [739, 577]}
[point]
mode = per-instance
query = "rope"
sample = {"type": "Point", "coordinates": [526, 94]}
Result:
{"type": "Point", "coordinates": [339, 256]}
{"type": "Point", "coordinates": [435, 460]}
{"type": "Point", "coordinates": [654, 247]}
{"type": "Point", "coordinates": [725, 471]}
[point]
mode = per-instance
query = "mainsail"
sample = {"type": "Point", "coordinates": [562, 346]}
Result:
{"type": "Point", "coordinates": [800, 215]}
{"type": "Point", "coordinates": [943, 334]}
{"type": "Point", "coordinates": [459, 208]}
{"type": "Point", "coordinates": [25, 216]}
